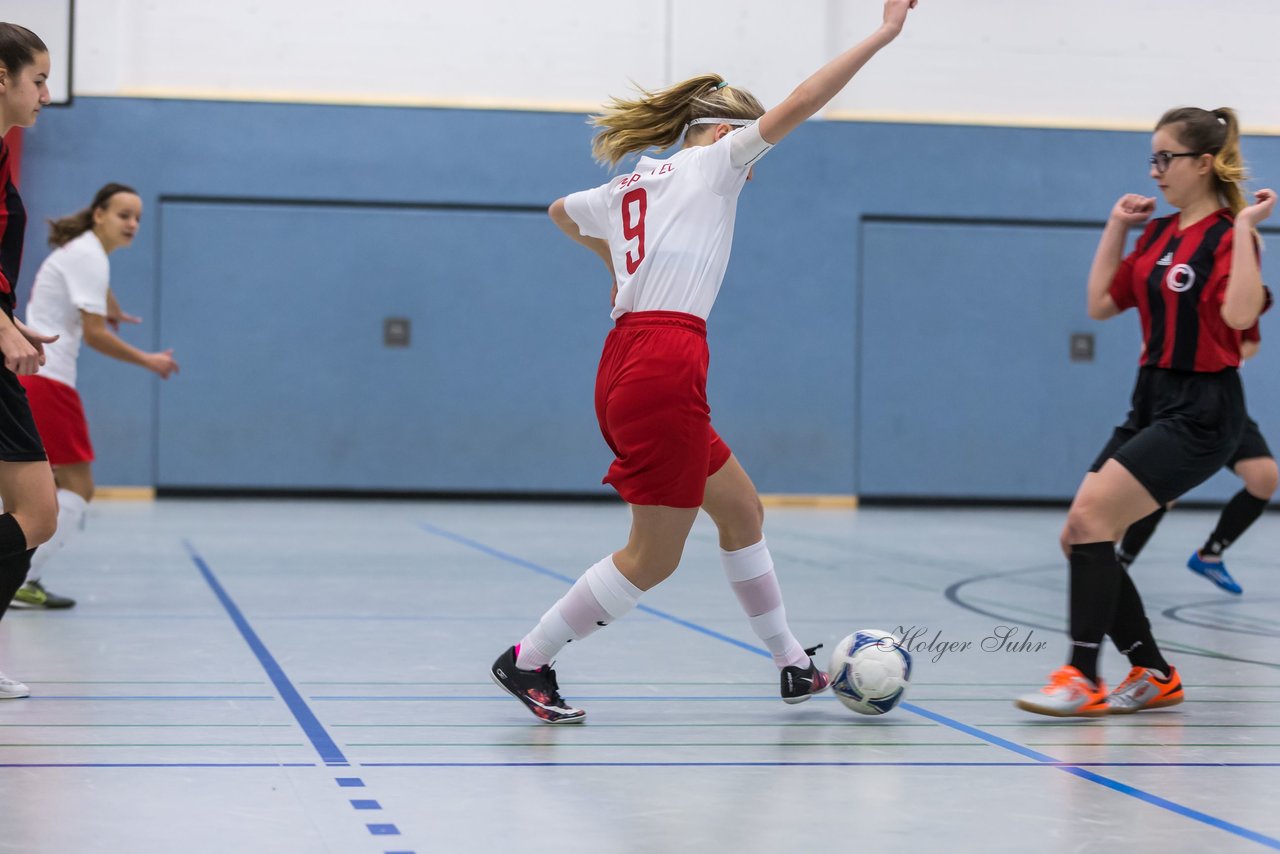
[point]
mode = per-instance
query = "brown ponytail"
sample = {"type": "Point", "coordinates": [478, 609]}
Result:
{"type": "Point", "coordinates": [1215, 132]}
{"type": "Point", "coordinates": [658, 119]}
{"type": "Point", "coordinates": [63, 231]}
{"type": "Point", "coordinates": [18, 47]}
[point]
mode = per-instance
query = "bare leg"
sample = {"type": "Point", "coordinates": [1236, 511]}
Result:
{"type": "Point", "coordinates": [28, 493]}
{"type": "Point", "coordinates": [77, 477]}
{"type": "Point", "coordinates": [656, 543]}
{"type": "Point", "coordinates": [75, 490]}
{"type": "Point", "coordinates": [734, 505]}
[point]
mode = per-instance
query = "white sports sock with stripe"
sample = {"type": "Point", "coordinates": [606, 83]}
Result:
{"type": "Point", "coordinates": [750, 573]}
{"type": "Point", "coordinates": [600, 596]}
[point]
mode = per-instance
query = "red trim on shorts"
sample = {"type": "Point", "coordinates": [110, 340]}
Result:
{"type": "Point", "coordinates": [59, 417]}
{"type": "Point", "coordinates": [636, 319]}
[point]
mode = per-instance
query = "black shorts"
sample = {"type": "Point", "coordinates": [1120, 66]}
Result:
{"type": "Point", "coordinates": [1183, 427]}
{"type": "Point", "coordinates": [19, 439]}
{"type": "Point", "coordinates": [1252, 444]}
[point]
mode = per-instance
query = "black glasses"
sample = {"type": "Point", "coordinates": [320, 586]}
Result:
{"type": "Point", "coordinates": [1162, 159]}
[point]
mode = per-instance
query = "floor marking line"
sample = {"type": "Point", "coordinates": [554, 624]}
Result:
{"type": "Point", "coordinates": [991, 739]}
{"type": "Point", "coordinates": [315, 732]}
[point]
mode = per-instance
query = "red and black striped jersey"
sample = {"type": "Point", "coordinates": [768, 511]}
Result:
{"type": "Point", "coordinates": [13, 224]}
{"type": "Point", "coordinates": [1177, 279]}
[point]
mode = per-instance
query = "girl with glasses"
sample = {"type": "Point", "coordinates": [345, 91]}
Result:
{"type": "Point", "coordinates": [1195, 280]}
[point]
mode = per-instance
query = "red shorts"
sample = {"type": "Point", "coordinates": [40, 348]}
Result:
{"type": "Point", "coordinates": [60, 419]}
{"type": "Point", "coordinates": [651, 400]}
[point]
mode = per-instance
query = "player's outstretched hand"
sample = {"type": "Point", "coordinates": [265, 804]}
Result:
{"type": "Point", "coordinates": [1133, 209]}
{"type": "Point", "coordinates": [895, 13]}
{"type": "Point", "coordinates": [1264, 203]}
{"type": "Point", "coordinates": [162, 363]}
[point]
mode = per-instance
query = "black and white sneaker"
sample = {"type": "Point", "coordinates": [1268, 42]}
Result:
{"type": "Point", "coordinates": [801, 683]}
{"type": "Point", "coordinates": [537, 689]}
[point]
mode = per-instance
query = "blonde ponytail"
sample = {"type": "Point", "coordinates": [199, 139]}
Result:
{"type": "Point", "coordinates": [1228, 162]}
{"type": "Point", "coordinates": [658, 119]}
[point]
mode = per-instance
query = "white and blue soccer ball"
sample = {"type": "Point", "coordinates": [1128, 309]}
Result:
{"type": "Point", "coordinates": [870, 671]}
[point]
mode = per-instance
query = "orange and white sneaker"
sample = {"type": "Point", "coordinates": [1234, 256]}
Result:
{"type": "Point", "coordinates": [1143, 689]}
{"type": "Point", "coordinates": [1069, 694]}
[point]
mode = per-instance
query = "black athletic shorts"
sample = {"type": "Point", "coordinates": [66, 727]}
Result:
{"type": "Point", "coordinates": [1252, 444]}
{"type": "Point", "coordinates": [1183, 427]}
{"type": "Point", "coordinates": [19, 439]}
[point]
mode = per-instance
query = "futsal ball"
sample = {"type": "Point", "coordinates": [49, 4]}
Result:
{"type": "Point", "coordinates": [869, 671]}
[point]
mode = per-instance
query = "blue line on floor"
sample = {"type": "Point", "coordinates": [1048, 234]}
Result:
{"type": "Point", "coordinates": [139, 697]}
{"type": "Point", "coordinates": [311, 726]}
{"type": "Point", "coordinates": [818, 764]}
{"type": "Point", "coordinates": [157, 765]}
{"type": "Point", "coordinates": [542, 570]}
{"type": "Point", "coordinates": [994, 740]}
{"type": "Point", "coordinates": [467, 698]}
{"type": "Point", "coordinates": [766, 764]}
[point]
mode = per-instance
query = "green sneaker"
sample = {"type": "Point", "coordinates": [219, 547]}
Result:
{"type": "Point", "coordinates": [33, 595]}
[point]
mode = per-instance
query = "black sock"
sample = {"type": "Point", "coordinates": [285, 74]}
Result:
{"type": "Point", "coordinates": [12, 540]}
{"type": "Point", "coordinates": [1241, 512]}
{"type": "Point", "coordinates": [1095, 587]}
{"type": "Point", "coordinates": [1131, 630]}
{"type": "Point", "coordinates": [1135, 539]}
{"type": "Point", "coordinates": [13, 574]}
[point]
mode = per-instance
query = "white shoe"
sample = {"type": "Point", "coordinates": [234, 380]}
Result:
{"type": "Point", "coordinates": [12, 689]}
{"type": "Point", "coordinates": [1068, 694]}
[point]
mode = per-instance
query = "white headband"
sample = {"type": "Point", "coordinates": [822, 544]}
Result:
{"type": "Point", "coordinates": [734, 122]}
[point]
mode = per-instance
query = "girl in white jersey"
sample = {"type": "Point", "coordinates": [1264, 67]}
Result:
{"type": "Point", "coordinates": [664, 230]}
{"type": "Point", "coordinates": [72, 296]}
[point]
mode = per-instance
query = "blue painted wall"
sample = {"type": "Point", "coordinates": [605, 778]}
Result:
{"type": "Point", "coordinates": [895, 319]}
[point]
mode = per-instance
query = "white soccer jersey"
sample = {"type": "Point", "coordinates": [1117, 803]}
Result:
{"type": "Point", "coordinates": [669, 223]}
{"type": "Point", "coordinates": [74, 278]}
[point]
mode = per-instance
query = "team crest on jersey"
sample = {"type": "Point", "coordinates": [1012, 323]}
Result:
{"type": "Point", "coordinates": [1180, 278]}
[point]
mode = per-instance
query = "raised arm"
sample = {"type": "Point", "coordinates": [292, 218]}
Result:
{"type": "Point", "coordinates": [1131, 210]}
{"type": "Point", "coordinates": [816, 92]}
{"type": "Point", "coordinates": [1245, 297]}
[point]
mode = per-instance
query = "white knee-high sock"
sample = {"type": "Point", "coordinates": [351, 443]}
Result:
{"type": "Point", "coordinates": [750, 573]}
{"type": "Point", "coordinates": [599, 597]}
{"type": "Point", "coordinates": [71, 509]}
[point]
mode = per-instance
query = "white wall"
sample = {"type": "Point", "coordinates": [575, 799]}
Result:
{"type": "Point", "coordinates": [1040, 62]}
{"type": "Point", "coordinates": [51, 20]}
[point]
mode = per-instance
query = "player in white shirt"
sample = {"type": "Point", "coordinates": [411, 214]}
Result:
{"type": "Point", "coordinates": [664, 229]}
{"type": "Point", "coordinates": [72, 297]}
